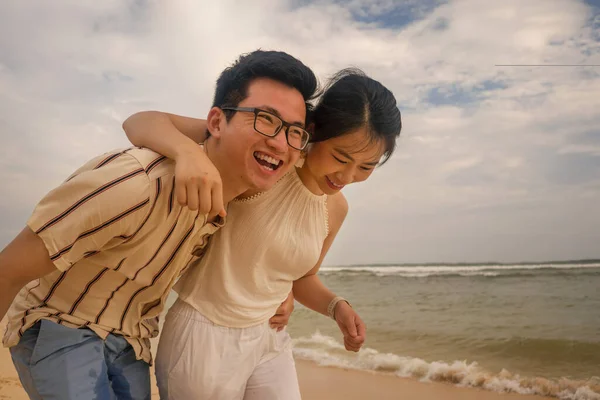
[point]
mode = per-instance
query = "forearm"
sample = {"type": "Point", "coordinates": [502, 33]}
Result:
{"type": "Point", "coordinates": [312, 293]}
{"type": "Point", "coordinates": [23, 260]}
{"type": "Point", "coordinates": [8, 292]}
{"type": "Point", "coordinates": [156, 131]}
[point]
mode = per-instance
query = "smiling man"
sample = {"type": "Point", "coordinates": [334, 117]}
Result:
{"type": "Point", "coordinates": [93, 268]}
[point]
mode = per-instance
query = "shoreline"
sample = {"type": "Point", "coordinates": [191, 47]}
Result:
{"type": "Point", "coordinates": [318, 383]}
{"type": "Point", "coordinates": [332, 383]}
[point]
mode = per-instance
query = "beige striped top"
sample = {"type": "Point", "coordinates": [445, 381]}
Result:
{"type": "Point", "coordinates": [119, 241]}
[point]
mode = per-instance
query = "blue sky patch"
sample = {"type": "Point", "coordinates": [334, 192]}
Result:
{"type": "Point", "coordinates": [401, 15]}
{"type": "Point", "coordinates": [456, 95]}
{"type": "Point", "coordinates": [492, 85]}
{"type": "Point", "coordinates": [396, 16]}
{"type": "Point", "coordinates": [449, 96]}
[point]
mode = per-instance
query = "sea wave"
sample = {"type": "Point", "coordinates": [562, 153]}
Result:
{"type": "Point", "coordinates": [424, 271]}
{"type": "Point", "coordinates": [326, 351]}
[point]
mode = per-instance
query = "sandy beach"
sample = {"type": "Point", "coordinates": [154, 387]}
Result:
{"type": "Point", "coordinates": [319, 383]}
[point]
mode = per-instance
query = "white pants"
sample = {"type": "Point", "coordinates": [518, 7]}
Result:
{"type": "Point", "coordinates": [198, 360]}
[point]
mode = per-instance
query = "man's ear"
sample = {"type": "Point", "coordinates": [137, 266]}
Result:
{"type": "Point", "coordinates": [215, 121]}
{"type": "Point", "coordinates": [311, 128]}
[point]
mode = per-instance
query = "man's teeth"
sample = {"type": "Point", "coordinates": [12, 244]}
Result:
{"type": "Point", "coordinates": [267, 158]}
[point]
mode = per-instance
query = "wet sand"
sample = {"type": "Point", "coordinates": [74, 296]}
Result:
{"type": "Point", "coordinates": [317, 383]}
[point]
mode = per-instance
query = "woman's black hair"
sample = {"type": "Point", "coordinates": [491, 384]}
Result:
{"type": "Point", "coordinates": [351, 101]}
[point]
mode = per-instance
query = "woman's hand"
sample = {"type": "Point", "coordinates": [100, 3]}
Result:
{"type": "Point", "coordinates": [198, 182]}
{"type": "Point", "coordinates": [352, 326]}
{"type": "Point", "coordinates": [283, 313]}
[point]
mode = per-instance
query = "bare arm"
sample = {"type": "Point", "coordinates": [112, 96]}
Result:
{"type": "Point", "coordinates": [165, 133]}
{"type": "Point", "coordinates": [197, 181]}
{"type": "Point", "coordinates": [309, 290]}
{"type": "Point", "coordinates": [23, 260]}
{"type": "Point", "coordinates": [312, 293]}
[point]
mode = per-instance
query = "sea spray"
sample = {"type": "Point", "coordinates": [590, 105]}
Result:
{"type": "Point", "coordinates": [326, 351]}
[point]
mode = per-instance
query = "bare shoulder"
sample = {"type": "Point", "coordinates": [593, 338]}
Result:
{"type": "Point", "coordinates": [337, 203]}
{"type": "Point", "coordinates": [337, 207]}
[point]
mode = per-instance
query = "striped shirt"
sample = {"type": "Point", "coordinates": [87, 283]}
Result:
{"type": "Point", "coordinates": [119, 241]}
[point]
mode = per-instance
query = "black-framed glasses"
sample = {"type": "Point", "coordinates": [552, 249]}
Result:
{"type": "Point", "coordinates": [270, 125]}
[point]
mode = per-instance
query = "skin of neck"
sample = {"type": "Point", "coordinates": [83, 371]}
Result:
{"type": "Point", "coordinates": [308, 180]}
{"type": "Point", "coordinates": [233, 181]}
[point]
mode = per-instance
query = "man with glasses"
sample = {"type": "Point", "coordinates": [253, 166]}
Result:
{"type": "Point", "coordinates": [92, 270]}
{"type": "Point", "coordinates": [269, 124]}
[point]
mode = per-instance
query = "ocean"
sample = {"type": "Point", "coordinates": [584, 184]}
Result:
{"type": "Point", "coordinates": [531, 329]}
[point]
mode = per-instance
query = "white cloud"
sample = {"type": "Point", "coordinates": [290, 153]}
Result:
{"type": "Point", "coordinates": [490, 157]}
{"type": "Point", "coordinates": [580, 149]}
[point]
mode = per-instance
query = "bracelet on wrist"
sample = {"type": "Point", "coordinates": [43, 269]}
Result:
{"type": "Point", "coordinates": [333, 303]}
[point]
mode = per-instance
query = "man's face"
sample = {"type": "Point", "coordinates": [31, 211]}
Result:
{"type": "Point", "coordinates": [260, 160]}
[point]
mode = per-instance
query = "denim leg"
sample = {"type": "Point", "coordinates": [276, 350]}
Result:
{"type": "Point", "coordinates": [64, 363]}
{"type": "Point", "coordinates": [21, 356]}
{"type": "Point", "coordinates": [130, 377]}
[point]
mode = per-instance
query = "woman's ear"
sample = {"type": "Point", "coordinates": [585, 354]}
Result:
{"type": "Point", "coordinates": [302, 159]}
{"type": "Point", "coordinates": [214, 121]}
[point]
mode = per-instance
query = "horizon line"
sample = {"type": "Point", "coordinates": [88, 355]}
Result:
{"type": "Point", "coordinates": [583, 261]}
{"type": "Point", "coordinates": [547, 65]}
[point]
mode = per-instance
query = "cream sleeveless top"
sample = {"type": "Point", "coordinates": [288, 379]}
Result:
{"type": "Point", "coordinates": [270, 240]}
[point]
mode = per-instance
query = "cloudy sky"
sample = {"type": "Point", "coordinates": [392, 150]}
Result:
{"type": "Point", "coordinates": [495, 162]}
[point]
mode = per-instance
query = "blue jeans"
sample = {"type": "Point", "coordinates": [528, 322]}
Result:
{"type": "Point", "coordinates": [56, 362]}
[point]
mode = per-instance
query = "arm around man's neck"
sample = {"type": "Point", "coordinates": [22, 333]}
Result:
{"type": "Point", "coordinates": [168, 134]}
{"type": "Point", "coordinates": [197, 182]}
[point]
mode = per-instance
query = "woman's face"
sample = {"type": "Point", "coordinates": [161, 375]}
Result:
{"type": "Point", "coordinates": [343, 160]}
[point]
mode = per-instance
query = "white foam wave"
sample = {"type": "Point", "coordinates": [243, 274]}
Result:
{"type": "Point", "coordinates": [422, 271]}
{"type": "Point", "coordinates": [326, 351]}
